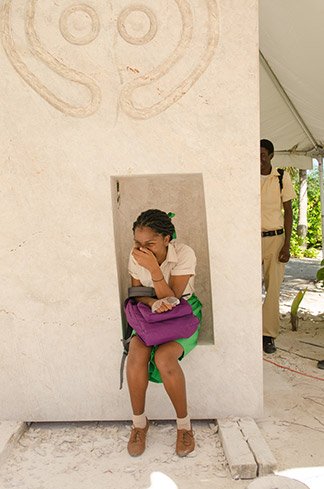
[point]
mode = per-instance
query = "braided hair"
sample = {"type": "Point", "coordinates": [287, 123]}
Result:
{"type": "Point", "coordinates": [157, 220]}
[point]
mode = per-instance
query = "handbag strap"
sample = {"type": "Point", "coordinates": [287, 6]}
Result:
{"type": "Point", "coordinates": [125, 341]}
{"type": "Point", "coordinates": [141, 291]}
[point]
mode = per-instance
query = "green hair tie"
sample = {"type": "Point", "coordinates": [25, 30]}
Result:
{"type": "Point", "coordinates": [171, 215]}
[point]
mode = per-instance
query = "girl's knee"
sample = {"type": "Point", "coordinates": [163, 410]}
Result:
{"type": "Point", "coordinates": [165, 362]}
{"type": "Point", "coordinates": [137, 358]}
{"type": "Point", "coordinates": [138, 353]}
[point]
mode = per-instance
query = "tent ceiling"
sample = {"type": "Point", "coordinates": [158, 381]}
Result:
{"type": "Point", "coordinates": [292, 79]}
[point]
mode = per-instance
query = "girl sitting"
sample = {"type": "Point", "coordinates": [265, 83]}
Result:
{"type": "Point", "coordinates": [158, 261]}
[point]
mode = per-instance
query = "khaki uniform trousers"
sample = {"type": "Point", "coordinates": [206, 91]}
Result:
{"type": "Point", "coordinates": [273, 274]}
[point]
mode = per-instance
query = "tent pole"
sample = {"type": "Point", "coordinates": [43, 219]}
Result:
{"type": "Point", "coordinates": [284, 95]}
{"type": "Point", "coordinates": [321, 183]}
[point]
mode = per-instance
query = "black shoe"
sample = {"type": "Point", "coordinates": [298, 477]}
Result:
{"type": "Point", "coordinates": [268, 344]}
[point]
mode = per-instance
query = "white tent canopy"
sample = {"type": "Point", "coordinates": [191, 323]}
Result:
{"type": "Point", "coordinates": [292, 82]}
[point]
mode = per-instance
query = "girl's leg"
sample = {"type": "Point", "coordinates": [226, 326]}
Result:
{"type": "Point", "coordinates": [166, 359]}
{"type": "Point", "coordinates": [137, 373]}
{"type": "Point", "coordinates": [137, 378]}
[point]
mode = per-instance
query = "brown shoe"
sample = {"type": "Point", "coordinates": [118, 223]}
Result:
{"type": "Point", "coordinates": [136, 443]}
{"type": "Point", "coordinates": [185, 442]}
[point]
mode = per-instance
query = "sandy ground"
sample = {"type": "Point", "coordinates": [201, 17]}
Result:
{"type": "Point", "coordinates": [94, 456]}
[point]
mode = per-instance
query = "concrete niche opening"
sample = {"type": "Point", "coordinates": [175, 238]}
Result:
{"type": "Point", "coordinates": [182, 194]}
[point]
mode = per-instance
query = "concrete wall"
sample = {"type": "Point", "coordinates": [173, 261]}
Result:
{"type": "Point", "coordinates": [108, 90]}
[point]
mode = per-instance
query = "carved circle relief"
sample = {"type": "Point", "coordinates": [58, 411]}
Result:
{"type": "Point", "coordinates": [79, 24]}
{"type": "Point", "coordinates": [134, 17]}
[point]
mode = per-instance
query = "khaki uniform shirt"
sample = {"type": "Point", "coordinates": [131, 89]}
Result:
{"type": "Point", "coordinates": [180, 260]}
{"type": "Point", "coordinates": [272, 199]}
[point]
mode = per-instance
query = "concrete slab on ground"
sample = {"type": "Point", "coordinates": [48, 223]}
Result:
{"type": "Point", "coordinates": [266, 463]}
{"type": "Point", "coordinates": [246, 451]}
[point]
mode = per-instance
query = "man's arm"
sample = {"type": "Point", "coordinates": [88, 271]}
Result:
{"type": "Point", "coordinates": [284, 254]}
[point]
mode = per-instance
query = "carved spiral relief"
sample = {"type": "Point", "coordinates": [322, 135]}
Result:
{"type": "Point", "coordinates": [127, 92]}
{"type": "Point", "coordinates": [51, 61]}
{"type": "Point", "coordinates": [137, 25]}
{"type": "Point", "coordinates": [90, 34]}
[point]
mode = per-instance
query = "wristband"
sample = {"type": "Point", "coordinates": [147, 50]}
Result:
{"type": "Point", "coordinates": [159, 280]}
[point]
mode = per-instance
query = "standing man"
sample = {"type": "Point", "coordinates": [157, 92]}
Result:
{"type": "Point", "coordinates": [276, 226]}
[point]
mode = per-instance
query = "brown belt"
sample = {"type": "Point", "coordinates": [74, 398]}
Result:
{"type": "Point", "coordinates": [264, 234]}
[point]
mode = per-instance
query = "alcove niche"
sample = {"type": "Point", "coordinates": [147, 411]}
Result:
{"type": "Point", "coordinates": [182, 194]}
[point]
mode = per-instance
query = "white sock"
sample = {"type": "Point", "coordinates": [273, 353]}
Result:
{"type": "Point", "coordinates": [139, 421]}
{"type": "Point", "coordinates": [184, 423]}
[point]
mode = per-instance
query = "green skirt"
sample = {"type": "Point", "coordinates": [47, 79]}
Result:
{"type": "Point", "coordinates": [187, 344]}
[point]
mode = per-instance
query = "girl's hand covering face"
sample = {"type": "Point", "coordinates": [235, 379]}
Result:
{"type": "Point", "coordinates": [145, 258]}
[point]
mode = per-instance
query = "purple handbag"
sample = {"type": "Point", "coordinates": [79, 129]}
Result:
{"type": "Point", "coordinates": [157, 328]}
